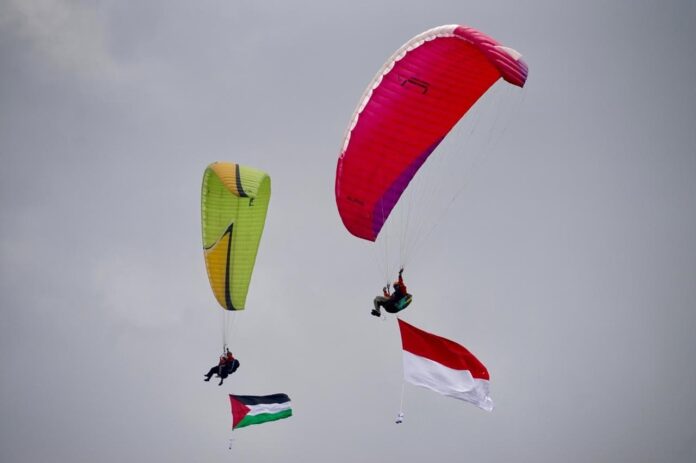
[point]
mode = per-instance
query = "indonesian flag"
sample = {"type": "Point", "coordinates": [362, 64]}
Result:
{"type": "Point", "coordinates": [444, 366]}
{"type": "Point", "coordinates": [257, 409]}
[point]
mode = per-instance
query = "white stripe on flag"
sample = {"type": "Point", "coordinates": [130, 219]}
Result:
{"type": "Point", "coordinates": [435, 376]}
{"type": "Point", "coordinates": [268, 408]}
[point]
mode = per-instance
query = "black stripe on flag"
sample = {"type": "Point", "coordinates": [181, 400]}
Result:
{"type": "Point", "coordinates": [262, 399]}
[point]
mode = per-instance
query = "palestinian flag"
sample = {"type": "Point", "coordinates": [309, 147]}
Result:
{"type": "Point", "coordinates": [443, 366]}
{"type": "Point", "coordinates": [257, 409]}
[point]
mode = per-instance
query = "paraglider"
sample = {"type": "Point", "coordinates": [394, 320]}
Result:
{"type": "Point", "coordinates": [407, 110]}
{"type": "Point", "coordinates": [225, 367]}
{"type": "Point", "coordinates": [393, 302]}
{"type": "Point", "coordinates": [234, 202]}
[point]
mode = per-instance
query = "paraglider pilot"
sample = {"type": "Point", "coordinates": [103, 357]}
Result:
{"type": "Point", "coordinates": [394, 302]}
{"type": "Point", "coordinates": [225, 367]}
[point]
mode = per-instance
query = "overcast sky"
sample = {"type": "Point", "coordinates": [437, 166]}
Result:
{"type": "Point", "coordinates": [568, 265]}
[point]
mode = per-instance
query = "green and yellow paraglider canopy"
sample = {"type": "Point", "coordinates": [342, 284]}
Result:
{"type": "Point", "coordinates": [234, 201]}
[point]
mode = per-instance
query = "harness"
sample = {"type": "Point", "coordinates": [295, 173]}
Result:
{"type": "Point", "coordinates": [398, 306]}
{"type": "Point", "coordinates": [404, 302]}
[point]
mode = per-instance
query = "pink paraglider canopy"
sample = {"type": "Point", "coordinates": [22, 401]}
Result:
{"type": "Point", "coordinates": [407, 110]}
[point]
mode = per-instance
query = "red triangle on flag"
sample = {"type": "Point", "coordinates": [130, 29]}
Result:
{"type": "Point", "coordinates": [239, 411]}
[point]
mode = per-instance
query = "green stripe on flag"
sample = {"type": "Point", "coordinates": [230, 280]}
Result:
{"type": "Point", "coordinates": [263, 418]}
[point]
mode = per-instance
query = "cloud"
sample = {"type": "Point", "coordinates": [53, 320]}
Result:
{"type": "Point", "coordinates": [137, 291]}
{"type": "Point", "coordinates": [71, 35]}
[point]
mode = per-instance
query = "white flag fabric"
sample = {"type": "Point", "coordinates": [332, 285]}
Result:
{"type": "Point", "coordinates": [444, 366]}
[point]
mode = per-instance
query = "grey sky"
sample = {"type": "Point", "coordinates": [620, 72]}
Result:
{"type": "Point", "coordinates": [573, 244]}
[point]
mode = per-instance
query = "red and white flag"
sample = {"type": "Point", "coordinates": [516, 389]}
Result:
{"type": "Point", "coordinates": [444, 366]}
